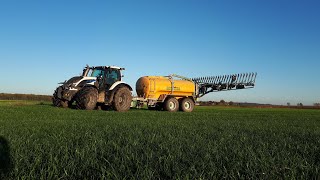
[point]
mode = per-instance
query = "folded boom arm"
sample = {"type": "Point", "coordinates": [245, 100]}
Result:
{"type": "Point", "coordinates": [225, 83]}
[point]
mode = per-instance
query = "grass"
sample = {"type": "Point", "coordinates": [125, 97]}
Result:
{"type": "Point", "coordinates": [20, 103]}
{"type": "Point", "coordinates": [210, 143]}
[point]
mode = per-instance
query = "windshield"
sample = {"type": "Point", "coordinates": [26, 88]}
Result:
{"type": "Point", "coordinates": [96, 72]}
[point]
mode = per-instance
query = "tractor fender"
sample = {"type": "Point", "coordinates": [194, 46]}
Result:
{"type": "Point", "coordinates": [114, 88]}
{"type": "Point", "coordinates": [119, 83]}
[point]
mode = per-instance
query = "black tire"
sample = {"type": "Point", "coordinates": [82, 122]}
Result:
{"type": "Point", "coordinates": [101, 106]}
{"type": "Point", "coordinates": [171, 104]}
{"type": "Point", "coordinates": [186, 105]}
{"type": "Point", "coordinates": [151, 108]}
{"type": "Point", "coordinates": [70, 104]}
{"type": "Point", "coordinates": [122, 99]}
{"type": "Point", "coordinates": [58, 102]}
{"type": "Point", "coordinates": [159, 106]}
{"type": "Point", "coordinates": [86, 98]}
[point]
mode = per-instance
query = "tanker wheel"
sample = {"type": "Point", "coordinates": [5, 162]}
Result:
{"type": "Point", "coordinates": [122, 99]}
{"type": "Point", "coordinates": [171, 105]}
{"type": "Point", "coordinates": [58, 102]}
{"type": "Point", "coordinates": [186, 105]}
{"type": "Point", "coordinates": [87, 98]}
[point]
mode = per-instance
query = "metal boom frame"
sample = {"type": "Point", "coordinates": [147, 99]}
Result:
{"type": "Point", "coordinates": [225, 83]}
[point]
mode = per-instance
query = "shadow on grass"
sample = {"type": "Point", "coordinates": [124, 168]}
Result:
{"type": "Point", "coordinates": [102, 107]}
{"type": "Point", "coordinates": [5, 158]}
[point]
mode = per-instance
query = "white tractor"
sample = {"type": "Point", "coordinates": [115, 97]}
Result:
{"type": "Point", "coordinates": [98, 86]}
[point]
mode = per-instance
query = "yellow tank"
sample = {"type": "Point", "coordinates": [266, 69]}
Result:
{"type": "Point", "coordinates": [156, 87]}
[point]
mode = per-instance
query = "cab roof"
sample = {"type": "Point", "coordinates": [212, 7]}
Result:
{"type": "Point", "coordinates": [111, 67]}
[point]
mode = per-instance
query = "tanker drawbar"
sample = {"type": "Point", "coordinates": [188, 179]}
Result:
{"type": "Point", "coordinates": [225, 83]}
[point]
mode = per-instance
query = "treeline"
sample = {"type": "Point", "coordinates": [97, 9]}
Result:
{"type": "Point", "coordinates": [27, 97]}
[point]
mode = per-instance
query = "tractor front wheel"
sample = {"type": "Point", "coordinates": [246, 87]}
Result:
{"type": "Point", "coordinates": [122, 99]}
{"type": "Point", "coordinates": [86, 98]}
{"type": "Point", "coordinates": [57, 101]}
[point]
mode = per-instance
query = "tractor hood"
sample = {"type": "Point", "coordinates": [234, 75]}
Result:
{"type": "Point", "coordinates": [72, 80]}
{"type": "Point", "coordinates": [84, 80]}
{"type": "Point", "coordinates": [75, 81]}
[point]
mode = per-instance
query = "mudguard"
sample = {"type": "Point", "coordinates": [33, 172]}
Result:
{"type": "Point", "coordinates": [113, 89]}
{"type": "Point", "coordinates": [116, 84]}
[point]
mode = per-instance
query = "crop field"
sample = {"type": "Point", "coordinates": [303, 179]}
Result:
{"type": "Point", "coordinates": [39, 141]}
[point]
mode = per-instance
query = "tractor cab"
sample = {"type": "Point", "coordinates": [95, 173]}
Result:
{"type": "Point", "coordinates": [105, 75]}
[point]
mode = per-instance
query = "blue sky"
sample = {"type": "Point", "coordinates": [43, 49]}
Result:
{"type": "Point", "coordinates": [46, 42]}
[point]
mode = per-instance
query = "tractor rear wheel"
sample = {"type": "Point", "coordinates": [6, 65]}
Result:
{"type": "Point", "coordinates": [87, 98]}
{"type": "Point", "coordinates": [122, 99]}
{"type": "Point", "coordinates": [186, 105]}
{"type": "Point", "coordinates": [57, 101]}
{"type": "Point", "coordinates": [171, 104]}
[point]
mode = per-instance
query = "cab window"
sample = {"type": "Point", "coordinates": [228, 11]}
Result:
{"type": "Point", "coordinates": [97, 73]}
{"type": "Point", "coordinates": [112, 76]}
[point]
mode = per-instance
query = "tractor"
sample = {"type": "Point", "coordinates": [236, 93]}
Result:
{"type": "Point", "coordinates": [98, 86]}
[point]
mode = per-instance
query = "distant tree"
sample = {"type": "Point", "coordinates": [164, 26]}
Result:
{"type": "Point", "coordinates": [316, 104]}
{"type": "Point", "coordinates": [300, 104]}
{"type": "Point", "coordinates": [31, 97]}
{"type": "Point", "coordinates": [288, 104]}
{"type": "Point", "coordinates": [231, 103]}
{"type": "Point", "coordinates": [222, 102]}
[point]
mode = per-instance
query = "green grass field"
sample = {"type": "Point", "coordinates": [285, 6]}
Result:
{"type": "Point", "coordinates": [44, 142]}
